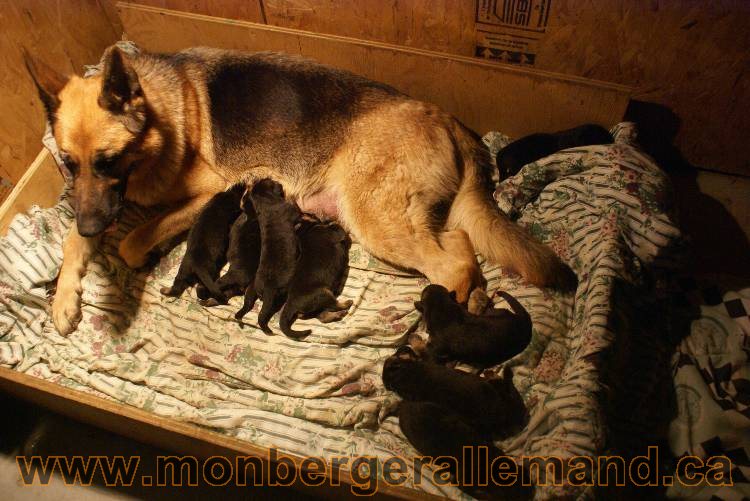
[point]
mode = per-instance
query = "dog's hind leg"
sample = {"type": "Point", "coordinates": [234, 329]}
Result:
{"type": "Point", "coordinates": [231, 283]}
{"type": "Point", "coordinates": [334, 310]}
{"type": "Point", "coordinates": [271, 299]}
{"type": "Point", "coordinates": [207, 279]}
{"type": "Point", "coordinates": [247, 305]}
{"type": "Point", "coordinates": [177, 288]}
{"type": "Point", "coordinates": [182, 280]}
{"type": "Point", "coordinates": [66, 305]}
{"type": "Point", "coordinates": [441, 264]}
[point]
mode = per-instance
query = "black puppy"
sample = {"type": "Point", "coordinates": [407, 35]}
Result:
{"type": "Point", "coordinates": [243, 254]}
{"type": "Point", "coordinates": [445, 410]}
{"type": "Point", "coordinates": [492, 407]}
{"type": "Point", "coordinates": [441, 433]}
{"type": "Point", "coordinates": [319, 276]}
{"type": "Point", "coordinates": [482, 340]}
{"type": "Point", "coordinates": [279, 250]}
{"type": "Point", "coordinates": [207, 245]}
{"type": "Point", "coordinates": [531, 148]}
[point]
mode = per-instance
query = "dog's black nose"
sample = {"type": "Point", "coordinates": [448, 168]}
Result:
{"type": "Point", "coordinates": [89, 225]}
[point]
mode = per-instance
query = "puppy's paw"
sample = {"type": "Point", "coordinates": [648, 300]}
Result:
{"type": "Point", "coordinates": [66, 310]}
{"type": "Point", "coordinates": [417, 343]}
{"type": "Point", "coordinates": [131, 252]}
{"type": "Point", "coordinates": [331, 316]}
{"type": "Point", "coordinates": [210, 302]}
{"type": "Point", "coordinates": [478, 301]}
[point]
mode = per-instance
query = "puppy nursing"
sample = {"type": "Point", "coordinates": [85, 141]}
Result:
{"type": "Point", "coordinates": [318, 277]}
{"type": "Point", "coordinates": [274, 253]}
{"type": "Point", "coordinates": [207, 246]}
{"type": "Point", "coordinates": [278, 253]}
{"type": "Point", "coordinates": [244, 252]}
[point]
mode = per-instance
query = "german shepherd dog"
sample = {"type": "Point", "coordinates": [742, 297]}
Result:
{"type": "Point", "coordinates": [318, 278]}
{"type": "Point", "coordinates": [207, 243]}
{"type": "Point", "coordinates": [243, 253]}
{"type": "Point", "coordinates": [279, 251]}
{"type": "Point", "coordinates": [405, 179]}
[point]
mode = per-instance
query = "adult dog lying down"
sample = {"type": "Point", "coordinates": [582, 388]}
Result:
{"type": "Point", "coordinates": [406, 179]}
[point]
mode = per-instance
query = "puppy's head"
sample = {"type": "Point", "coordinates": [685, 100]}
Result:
{"type": "Point", "coordinates": [98, 124]}
{"type": "Point", "coordinates": [438, 307]}
{"type": "Point", "coordinates": [267, 189]}
{"type": "Point", "coordinates": [400, 370]}
{"type": "Point", "coordinates": [339, 235]}
{"type": "Point", "coordinates": [434, 296]}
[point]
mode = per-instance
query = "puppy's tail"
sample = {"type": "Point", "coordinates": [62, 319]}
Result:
{"type": "Point", "coordinates": [491, 232]}
{"type": "Point", "coordinates": [288, 316]}
{"type": "Point", "coordinates": [516, 306]}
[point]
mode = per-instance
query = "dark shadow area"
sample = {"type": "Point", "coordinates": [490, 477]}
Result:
{"type": "Point", "coordinates": [639, 399]}
{"type": "Point", "coordinates": [652, 318]}
{"type": "Point", "coordinates": [718, 242]}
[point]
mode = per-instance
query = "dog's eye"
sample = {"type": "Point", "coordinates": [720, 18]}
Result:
{"type": "Point", "coordinates": [70, 164]}
{"type": "Point", "coordinates": [105, 164]}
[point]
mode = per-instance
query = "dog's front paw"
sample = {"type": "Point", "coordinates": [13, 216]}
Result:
{"type": "Point", "coordinates": [132, 253]}
{"type": "Point", "coordinates": [66, 310]}
{"type": "Point", "coordinates": [479, 301]}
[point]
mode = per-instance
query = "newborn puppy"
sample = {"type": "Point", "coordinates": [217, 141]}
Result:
{"type": "Point", "coordinates": [531, 148]}
{"type": "Point", "coordinates": [441, 432]}
{"type": "Point", "coordinates": [207, 245]}
{"type": "Point", "coordinates": [492, 407]}
{"type": "Point", "coordinates": [319, 276]}
{"type": "Point", "coordinates": [481, 340]}
{"type": "Point", "coordinates": [244, 252]}
{"type": "Point", "coordinates": [279, 250]}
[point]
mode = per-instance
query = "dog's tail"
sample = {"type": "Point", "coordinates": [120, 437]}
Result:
{"type": "Point", "coordinates": [288, 316]}
{"type": "Point", "coordinates": [491, 232]}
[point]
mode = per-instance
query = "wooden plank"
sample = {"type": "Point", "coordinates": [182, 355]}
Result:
{"type": "Point", "coordinates": [65, 35]}
{"type": "Point", "coordinates": [183, 438]}
{"type": "Point", "coordinates": [485, 96]}
{"type": "Point", "coordinates": [40, 185]}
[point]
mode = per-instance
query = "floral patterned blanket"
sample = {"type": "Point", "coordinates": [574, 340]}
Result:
{"type": "Point", "coordinates": [604, 209]}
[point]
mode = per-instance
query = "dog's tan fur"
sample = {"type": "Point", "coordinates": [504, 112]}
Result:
{"type": "Point", "coordinates": [398, 158]}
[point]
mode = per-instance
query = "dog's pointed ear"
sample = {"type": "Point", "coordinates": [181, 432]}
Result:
{"type": "Point", "coordinates": [48, 82]}
{"type": "Point", "coordinates": [418, 305]}
{"type": "Point", "coordinates": [120, 85]}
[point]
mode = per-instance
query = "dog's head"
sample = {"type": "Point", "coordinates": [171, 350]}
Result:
{"type": "Point", "coordinates": [98, 124]}
{"type": "Point", "coordinates": [434, 296]}
{"type": "Point", "coordinates": [401, 371]}
{"type": "Point", "coordinates": [438, 306]}
{"type": "Point", "coordinates": [267, 189]}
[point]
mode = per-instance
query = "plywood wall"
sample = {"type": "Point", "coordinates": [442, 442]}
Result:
{"type": "Point", "coordinates": [485, 96]}
{"type": "Point", "coordinates": [66, 35]}
{"type": "Point", "coordinates": [691, 56]}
